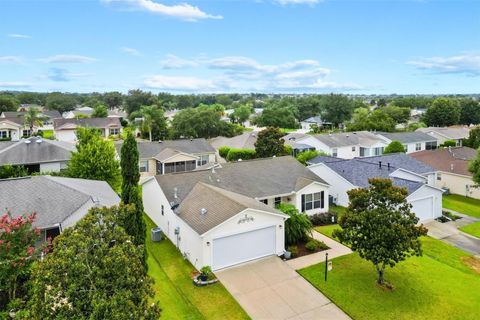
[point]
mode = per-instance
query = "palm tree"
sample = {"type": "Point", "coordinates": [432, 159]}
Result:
{"type": "Point", "coordinates": [33, 118]}
{"type": "Point", "coordinates": [150, 116]}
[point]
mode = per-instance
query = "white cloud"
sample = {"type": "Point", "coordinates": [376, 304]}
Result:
{"type": "Point", "coordinates": [179, 83]}
{"type": "Point", "coordinates": [68, 58]}
{"type": "Point", "coordinates": [468, 63]}
{"type": "Point", "coordinates": [173, 62]}
{"type": "Point", "coordinates": [10, 59]}
{"type": "Point", "coordinates": [182, 11]}
{"type": "Point", "coordinates": [304, 74]}
{"type": "Point", "coordinates": [287, 2]}
{"type": "Point", "coordinates": [18, 36]}
{"type": "Point", "coordinates": [14, 85]}
{"type": "Point", "coordinates": [132, 51]}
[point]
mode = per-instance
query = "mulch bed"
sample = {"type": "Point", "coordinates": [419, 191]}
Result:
{"type": "Point", "coordinates": [302, 251]}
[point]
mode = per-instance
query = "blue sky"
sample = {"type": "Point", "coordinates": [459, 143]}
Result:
{"type": "Point", "coordinates": [285, 46]}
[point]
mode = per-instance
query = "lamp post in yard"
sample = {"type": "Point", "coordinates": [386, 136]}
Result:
{"type": "Point", "coordinates": [326, 265]}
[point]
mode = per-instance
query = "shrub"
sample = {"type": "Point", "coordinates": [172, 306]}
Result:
{"type": "Point", "coordinates": [223, 151]}
{"type": "Point", "coordinates": [394, 147]}
{"type": "Point", "coordinates": [244, 154]}
{"type": "Point", "coordinates": [304, 156]}
{"type": "Point", "coordinates": [206, 271]}
{"type": "Point", "coordinates": [288, 150]}
{"type": "Point", "coordinates": [297, 227]}
{"type": "Point", "coordinates": [314, 245]}
{"type": "Point", "coordinates": [293, 250]}
{"type": "Point", "coordinates": [321, 219]}
{"type": "Point", "coordinates": [449, 143]}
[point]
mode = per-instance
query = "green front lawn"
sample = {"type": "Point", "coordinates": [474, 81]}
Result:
{"type": "Point", "coordinates": [442, 284]}
{"type": "Point", "coordinates": [48, 134]}
{"type": "Point", "coordinates": [462, 204]}
{"type": "Point", "coordinates": [287, 130]}
{"type": "Point", "coordinates": [327, 230]}
{"type": "Point", "coordinates": [337, 209]}
{"type": "Point", "coordinates": [473, 229]}
{"type": "Point", "coordinates": [179, 298]}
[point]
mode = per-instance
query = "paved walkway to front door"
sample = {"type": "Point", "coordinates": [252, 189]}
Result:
{"type": "Point", "coordinates": [271, 289]}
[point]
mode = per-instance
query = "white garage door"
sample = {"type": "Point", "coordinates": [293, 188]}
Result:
{"type": "Point", "coordinates": [423, 208]}
{"type": "Point", "coordinates": [238, 248]}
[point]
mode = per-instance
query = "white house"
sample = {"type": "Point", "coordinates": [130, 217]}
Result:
{"type": "Point", "coordinates": [59, 202]}
{"type": "Point", "coordinates": [65, 129]}
{"type": "Point", "coordinates": [346, 145]}
{"type": "Point", "coordinates": [442, 134]}
{"type": "Point", "coordinates": [36, 154]}
{"type": "Point", "coordinates": [225, 216]}
{"type": "Point", "coordinates": [307, 123]}
{"type": "Point", "coordinates": [411, 141]}
{"type": "Point", "coordinates": [346, 174]}
{"type": "Point", "coordinates": [169, 156]}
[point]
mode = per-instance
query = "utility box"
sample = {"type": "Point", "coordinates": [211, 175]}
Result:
{"type": "Point", "coordinates": [157, 234]}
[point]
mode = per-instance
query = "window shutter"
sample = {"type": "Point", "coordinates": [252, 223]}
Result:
{"type": "Point", "coordinates": [303, 203]}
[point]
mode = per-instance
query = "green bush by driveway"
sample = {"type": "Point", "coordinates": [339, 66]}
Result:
{"type": "Point", "coordinates": [440, 285]}
{"type": "Point", "coordinates": [468, 206]}
{"type": "Point", "coordinates": [179, 298]}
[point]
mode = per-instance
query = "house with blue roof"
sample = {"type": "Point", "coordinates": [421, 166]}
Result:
{"type": "Point", "coordinates": [346, 174]}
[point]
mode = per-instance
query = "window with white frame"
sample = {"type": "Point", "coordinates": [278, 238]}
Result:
{"type": "Point", "coordinates": [278, 200]}
{"type": "Point", "coordinates": [418, 146]}
{"type": "Point", "coordinates": [3, 134]}
{"type": "Point", "coordinates": [353, 149]}
{"type": "Point", "coordinates": [26, 133]}
{"type": "Point", "coordinates": [114, 131]}
{"type": "Point", "coordinates": [143, 166]}
{"type": "Point", "coordinates": [334, 152]}
{"type": "Point", "coordinates": [313, 201]}
{"type": "Point", "coordinates": [203, 159]}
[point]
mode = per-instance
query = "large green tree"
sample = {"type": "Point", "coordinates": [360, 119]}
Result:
{"type": "Point", "coordinates": [94, 159]}
{"type": "Point", "coordinates": [474, 168]}
{"type": "Point", "coordinates": [113, 99]}
{"type": "Point", "coordinates": [442, 112]}
{"type": "Point", "coordinates": [473, 140]}
{"type": "Point", "coordinates": [241, 114]}
{"type": "Point", "coordinates": [278, 117]}
{"type": "Point", "coordinates": [270, 143]}
{"type": "Point", "coordinates": [337, 108]}
{"type": "Point", "coordinates": [380, 225]}
{"type": "Point", "coordinates": [60, 102]}
{"type": "Point", "coordinates": [8, 103]}
{"type": "Point", "coordinates": [100, 111]}
{"type": "Point", "coordinates": [135, 99]}
{"type": "Point", "coordinates": [95, 271]}
{"type": "Point", "coordinates": [134, 224]}
{"type": "Point", "coordinates": [378, 120]}
{"type": "Point", "coordinates": [469, 111]}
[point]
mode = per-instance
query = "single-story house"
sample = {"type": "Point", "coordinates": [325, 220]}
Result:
{"type": "Point", "coordinates": [13, 129]}
{"type": "Point", "coordinates": [346, 145]}
{"type": "Point", "coordinates": [346, 174]}
{"type": "Point", "coordinates": [451, 165]}
{"type": "Point", "coordinates": [65, 129]}
{"type": "Point", "coordinates": [226, 215]}
{"type": "Point", "coordinates": [411, 141]}
{"type": "Point", "coordinates": [442, 134]}
{"type": "Point", "coordinates": [36, 154]}
{"type": "Point", "coordinates": [245, 140]}
{"type": "Point", "coordinates": [59, 202]}
{"type": "Point", "coordinates": [169, 156]}
{"type": "Point", "coordinates": [317, 120]}
{"type": "Point", "coordinates": [297, 147]}
{"type": "Point", "coordinates": [78, 112]}
{"type": "Point", "coordinates": [47, 115]}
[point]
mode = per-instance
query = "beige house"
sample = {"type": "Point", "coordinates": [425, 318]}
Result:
{"type": "Point", "coordinates": [452, 169]}
{"type": "Point", "coordinates": [13, 129]}
{"type": "Point", "coordinates": [442, 134]}
{"type": "Point", "coordinates": [170, 156]}
{"type": "Point", "coordinates": [65, 129]}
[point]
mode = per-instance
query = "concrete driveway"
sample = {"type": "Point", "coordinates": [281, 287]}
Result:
{"type": "Point", "coordinates": [449, 233]}
{"type": "Point", "coordinates": [270, 289]}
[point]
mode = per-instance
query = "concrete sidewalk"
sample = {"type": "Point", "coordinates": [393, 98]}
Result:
{"type": "Point", "coordinates": [336, 250]}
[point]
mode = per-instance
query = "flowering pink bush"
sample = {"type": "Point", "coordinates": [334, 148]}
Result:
{"type": "Point", "coordinates": [17, 247]}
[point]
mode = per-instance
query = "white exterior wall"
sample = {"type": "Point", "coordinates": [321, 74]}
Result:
{"type": "Point", "coordinates": [428, 192]}
{"type": "Point", "coordinates": [232, 226]}
{"type": "Point", "coordinates": [52, 166]}
{"type": "Point", "coordinates": [338, 185]}
{"type": "Point", "coordinates": [402, 174]}
{"type": "Point", "coordinates": [312, 188]}
{"type": "Point", "coordinates": [458, 184]}
{"type": "Point", "coordinates": [66, 135]}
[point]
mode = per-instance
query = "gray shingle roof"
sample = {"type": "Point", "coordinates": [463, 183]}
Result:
{"type": "Point", "coordinates": [408, 137]}
{"type": "Point", "coordinates": [448, 132]}
{"type": "Point", "coordinates": [401, 160]}
{"type": "Point", "coordinates": [54, 199]}
{"type": "Point", "coordinates": [148, 150]}
{"type": "Point", "coordinates": [220, 205]}
{"type": "Point", "coordinates": [61, 123]}
{"type": "Point", "coordinates": [245, 140]}
{"type": "Point", "coordinates": [255, 178]}
{"type": "Point", "coordinates": [22, 153]}
{"type": "Point", "coordinates": [52, 114]}
{"type": "Point", "coordinates": [357, 172]}
{"type": "Point", "coordinates": [345, 139]}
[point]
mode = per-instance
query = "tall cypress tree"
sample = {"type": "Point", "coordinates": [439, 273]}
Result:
{"type": "Point", "coordinates": [134, 224]}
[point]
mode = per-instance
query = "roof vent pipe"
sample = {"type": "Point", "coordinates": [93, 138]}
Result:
{"type": "Point", "coordinates": [380, 164]}
{"type": "Point", "coordinates": [175, 194]}
{"type": "Point", "coordinates": [388, 166]}
{"type": "Point", "coordinates": [203, 211]}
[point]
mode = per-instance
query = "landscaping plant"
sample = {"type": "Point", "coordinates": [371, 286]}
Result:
{"type": "Point", "coordinates": [298, 227]}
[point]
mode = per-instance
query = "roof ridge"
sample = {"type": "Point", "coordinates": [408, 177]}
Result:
{"type": "Point", "coordinates": [12, 146]}
{"type": "Point", "coordinates": [50, 178]}
{"type": "Point", "coordinates": [224, 195]}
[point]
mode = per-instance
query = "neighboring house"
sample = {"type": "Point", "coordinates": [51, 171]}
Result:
{"type": "Point", "coordinates": [59, 202]}
{"type": "Point", "coordinates": [13, 129]}
{"type": "Point", "coordinates": [36, 154]}
{"type": "Point", "coordinates": [442, 134]}
{"type": "Point", "coordinates": [451, 165]}
{"type": "Point", "coordinates": [48, 116]}
{"type": "Point", "coordinates": [65, 129]}
{"type": "Point", "coordinates": [78, 112]}
{"type": "Point", "coordinates": [117, 113]}
{"type": "Point", "coordinates": [225, 216]}
{"type": "Point", "coordinates": [346, 145]}
{"type": "Point", "coordinates": [169, 156]}
{"type": "Point", "coordinates": [307, 123]}
{"type": "Point", "coordinates": [412, 141]}
{"type": "Point", "coordinates": [245, 140]}
{"type": "Point", "coordinates": [297, 147]}
{"type": "Point", "coordinates": [346, 174]}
